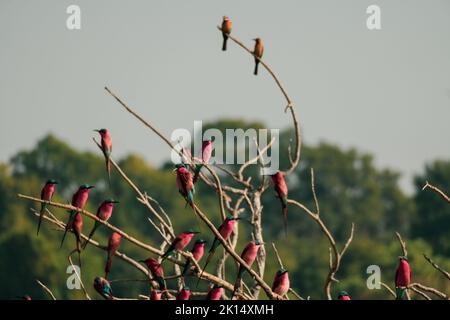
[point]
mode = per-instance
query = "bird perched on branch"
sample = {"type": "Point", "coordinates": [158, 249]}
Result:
{"type": "Point", "coordinates": [185, 183]}
{"type": "Point", "coordinates": [156, 271]}
{"type": "Point", "coordinates": [281, 282]}
{"type": "Point", "coordinates": [155, 294]}
{"type": "Point", "coordinates": [46, 194]}
{"type": "Point", "coordinates": [184, 293]}
{"type": "Point", "coordinates": [225, 230]}
{"type": "Point", "coordinates": [343, 295]}
{"type": "Point", "coordinates": [104, 212]}
{"type": "Point", "coordinates": [102, 286]}
{"type": "Point", "coordinates": [113, 246]}
{"type": "Point", "coordinates": [197, 253]}
{"type": "Point", "coordinates": [215, 293]}
{"type": "Point", "coordinates": [281, 191]}
{"type": "Point", "coordinates": [258, 52]}
{"type": "Point", "coordinates": [402, 277]}
{"type": "Point", "coordinates": [106, 143]}
{"type": "Point", "coordinates": [179, 243]}
{"type": "Point", "coordinates": [227, 25]}
{"type": "Point", "coordinates": [79, 200]}
{"type": "Point", "coordinates": [249, 255]}
{"type": "Point", "coordinates": [205, 156]}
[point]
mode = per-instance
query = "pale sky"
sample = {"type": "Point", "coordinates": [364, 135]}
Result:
{"type": "Point", "coordinates": [386, 92]}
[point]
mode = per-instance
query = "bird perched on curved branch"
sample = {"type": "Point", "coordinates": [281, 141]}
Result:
{"type": "Point", "coordinates": [103, 287]}
{"type": "Point", "coordinates": [179, 243]}
{"type": "Point", "coordinates": [113, 246]}
{"type": "Point", "coordinates": [402, 277]}
{"type": "Point", "coordinates": [227, 25]}
{"type": "Point", "coordinates": [106, 144]}
{"type": "Point", "coordinates": [46, 194]}
{"type": "Point", "coordinates": [281, 282]}
{"type": "Point", "coordinates": [197, 253]}
{"type": "Point", "coordinates": [205, 156]}
{"type": "Point", "coordinates": [281, 191]}
{"type": "Point", "coordinates": [258, 52]}
{"type": "Point", "coordinates": [104, 212]}
{"type": "Point", "coordinates": [249, 255]}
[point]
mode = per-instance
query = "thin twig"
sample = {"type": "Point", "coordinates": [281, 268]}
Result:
{"type": "Point", "coordinates": [50, 293]}
{"type": "Point", "coordinates": [437, 190]}
{"type": "Point", "coordinates": [445, 273]}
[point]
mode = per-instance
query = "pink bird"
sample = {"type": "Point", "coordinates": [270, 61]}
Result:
{"type": "Point", "coordinates": [107, 149]}
{"type": "Point", "coordinates": [102, 286]}
{"type": "Point", "coordinates": [46, 194]}
{"type": "Point", "coordinates": [343, 295]}
{"type": "Point", "coordinates": [156, 271]}
{"type": "Point", "coordinates": [215, 293]}
{"type": "Point", "coordinates": [113, 246]}
{"type": "Point", "coordinates": [179, 243]}
{"type": "Point", "coordinates": [225, 230]}
{"type": "Point", "coordinates": [185, 183]}
{"type": "Point", "coordinates": [155, 295]}
{"type": "Point", "coordinates": [249, 255]}
{"type": "Point", "coordinates": [281, 282]}
{"type": "Point", "coordinates": [281, 191]}
{"type": "Point", "coordinates": [402, 277]}
{"type": "Point", "coordinates": [104, 212]}
{"type": "Point", "coordinates": [197, 253]}
{"type": "Point", "coordinates": [79, 200]}
{"type": "Point", "coordinates": [205, 156]}
{"type": "Point", "coordinates": [184, 294]}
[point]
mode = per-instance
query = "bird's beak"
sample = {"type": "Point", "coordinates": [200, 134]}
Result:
{"type": "Point", "coordinates": [115, 201]}
{"type": "Point", "coordinates": [255, 39]}
{"type": "Point", "coordinates": [195, 232]}
{"type": "Point", "coordinates": [143, 261]}
{"type": "Point", "coordinates": [56, 182]}
{"type": "Point", "coordinates": [96, 130]}
{"type": "Point", "coordinates": [90, 187]}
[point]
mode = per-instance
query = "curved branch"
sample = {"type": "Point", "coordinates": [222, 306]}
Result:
{"type": "Point", "coordinates": [437, 190]}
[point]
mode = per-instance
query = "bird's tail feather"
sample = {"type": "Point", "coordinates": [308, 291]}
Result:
{"type": "Point", "coordinates": [237, 284]}
{"type": "Point", "coordinates": [90, 235]}
{"type": "Point", "coordinates": [108, 265]}
{"type": "Point", "coordinates": [186, 267]}
{"type": "Point", "coordinates": [224, 45]}
{"type": "Point", "coordinates": [284, 210]}
{"type": "Point", "coordinates": [399, 293]}
{"type": "Point", "coordinates": [256, 67]}
{"type": "Point", "coordinates": [198, 168]}
{"type": "Point", "coordinates": [108, 169]}
{"type": "Point", "coordinates": [211, 253]}
{"type": "Point", "coordinates": [41, 214]}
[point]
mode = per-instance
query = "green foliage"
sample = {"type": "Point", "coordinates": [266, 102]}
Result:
{"type": "Point", "coordinates": [349, 187]}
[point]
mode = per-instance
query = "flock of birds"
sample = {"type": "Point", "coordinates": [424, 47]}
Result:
{"type": "Point", "coordinates": [185, 181]}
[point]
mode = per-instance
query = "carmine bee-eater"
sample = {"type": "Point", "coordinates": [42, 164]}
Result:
{"type": "Point", "coordinates": [184, 293]}
{"type": "Point", "coordinates": [402, 277]}
{"type": "Point", "coordinates": [107, 149]}
{"type": "Point", "coordinates": [104, 212]}
{"type": "Point", "coordinates": [179, 243]}
{"type": "Point", "coordinates": [113, 246]}
{"type": "Point", "coordinates": [185, 182]}
{"type": "Point", "coordinates": [281, 191]}
{"type": "Point", "coordinates": [258, 52]}
{"type": "Point", "coordinates": [77, 227]}
{"type": "Point", "coordinates": [225, 230]}
{"type": "Point", "coordinates": [249, 255]}
{"type": "Point", "coordinates": [281, 282]}
{"type": "Point", "coordinates": [46, 194]}
{"type": "Point", "coordinates": [215, 293]}
{"type": "Point", "coordinates": [227, 25]}
{"type": "Point", "coordinates": [155, 294]}
{"type": "Point", "coordinates": [197, 253]}
{"type": "Point", "coordinates": [102, 286]}
{"type": "Point", "coordinates": [205, 156]}
{"type": "Point", "coordinates": [156, 271]}
{"type": "Point", "coordinates": [343, 295]}
{"type": "Point", "coordinates": [79, 200]}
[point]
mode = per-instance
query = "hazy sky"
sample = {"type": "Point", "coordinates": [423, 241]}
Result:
{"type": "Point", "coordinates": [386, 92]}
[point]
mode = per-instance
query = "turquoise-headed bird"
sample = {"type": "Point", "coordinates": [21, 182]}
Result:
{"type": "Point", "coordinates": [106, 144]}
{"type": "Point", "coordinates": [185, 183]}
{"type": "Point", "coordinates": [104, 212]}
{"type": "Point", "coordinates": [103, 287]}
{"type": "Point", "coordinates": [197, 253]}
{"type": "Point", "coordinates": [79, 200]}
{"type": "Point", "coordinates": [179, 243]}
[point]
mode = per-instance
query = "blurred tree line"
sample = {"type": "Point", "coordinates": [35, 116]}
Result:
{"type": "Point", "coordinates": [349, 187]}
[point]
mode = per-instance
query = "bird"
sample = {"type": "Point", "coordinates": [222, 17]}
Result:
{"type": "Point", "coordinates": [103, 287]}
{"type": "Point", "coordinates": [185, 183]}
{"type": "Point", "coordinates": [184, 293]}
{"type": "Point", "coordinates": [227, 25]}
{"type": "Point", "coordinates": [205, 156]}
{"type": "Point", "coordinates": [113, 246]}
{"type": "Point", "coordinates": [281, 191]}
{"type": "Point", "coordinates": [258, 52]}
{"type": "Point", "coordinates": [155, 294]}
{"type": "Point", "coordinates": [215, 293]}
{"type": "Point", "coordinates": [281, 282]}
{"type": "Point", "coordinates": [343, 295]}
{"type": "Point", "coordinates": [402, 277]}
{"type": "Point", "coordinates": [179, 243]}
{"type": "Point", "coordinates": [46, 194]}
{"type": "Point", "coordinates": [225, 230]}
{"type": "Point", "coordinates": [79, 200]}
{"type": "Point", "coordinates": [156, 270]}
{"type": "Point", "coordinates": [249, 255]}
{"type": "Point", "coordinates": [197, 253]}
{"type": "Point", "coordinates": [106, 143]}
{"type": "Point", "coordinates": [104, 212]}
